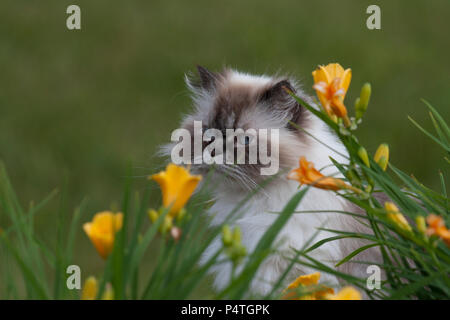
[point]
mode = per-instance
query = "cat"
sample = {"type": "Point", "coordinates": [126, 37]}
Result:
{"type": "Point", "coordinates": [231, 99]}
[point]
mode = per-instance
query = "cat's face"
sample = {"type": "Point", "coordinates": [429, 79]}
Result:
{"type": "Point", "coordinates": [267, 120]}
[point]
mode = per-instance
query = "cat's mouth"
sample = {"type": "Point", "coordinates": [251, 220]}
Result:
{"type": "Point", "coordinates": [239, 176]}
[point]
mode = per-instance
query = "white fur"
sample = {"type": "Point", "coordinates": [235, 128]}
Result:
{"type": "Point", "coordinates": [258, 216]}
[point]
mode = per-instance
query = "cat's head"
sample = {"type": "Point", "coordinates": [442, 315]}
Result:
{"type": "Point", "coordinates": [271, 130]}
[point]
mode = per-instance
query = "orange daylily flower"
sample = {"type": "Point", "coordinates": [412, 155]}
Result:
{"type": "Point", "coordinates": [436, 225]}
{"type": "Point", "coordinates": [331, 83]}
{"type": "Point", "coordinates": [307, 280]}
{"type": "Point", "coordinates": [177, 186]}
{"type": "Point", "coordinates": [102, 231]}
{"type": "Point", "coordinates": [307, 174]}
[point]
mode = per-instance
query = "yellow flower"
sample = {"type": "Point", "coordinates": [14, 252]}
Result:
{"type": "Point", "coordinates": [346, 293]}
{"type": "Point", "coordinates": [437, 227]}
{"type": "Point", "coordinates": [382, 156]}
{"type": "Point", "coordinates": [396, 217]}
{"type": "Point", "coordinates": [307, 280]}
{"type": "Point", "coordinates": [307, 174]}
{"type": "Point", "coordinates": [102, 231]}
{"type": "Point", "coordinates": [331, 83]}
{"type": "Point", "coordinates": [177, 186]}
{"type": "Point", "coordinates": [90, 289]}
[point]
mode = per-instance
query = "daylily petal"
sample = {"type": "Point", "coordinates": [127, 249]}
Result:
{"type": "Point", "coordinates": [307, 174]}
{"type": "Point", "coordinates": [347, 293]}
{"type": "Point", "coordinates": [306, 280]}
{"type": "Point", "coordinates": [321, 74]}
{"type": "Point", "coordinates": [345, 80]}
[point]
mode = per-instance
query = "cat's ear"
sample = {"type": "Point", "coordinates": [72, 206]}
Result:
{"type": "Point", "coordinates": [277, 96]}
{"type": "Point", "coordinates": [278, 92]}
{"type": "Point", "coordinates": [207, 78]}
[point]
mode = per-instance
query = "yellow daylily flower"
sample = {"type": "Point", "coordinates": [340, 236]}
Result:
{"type": "Point", "coordinates": [177, 186]}
{"type": "Point", "coordinates": [307, 280]}
{"type": "Point", "coordinates": [331, 83]}
{"type": "Point", "coordinates": [396, 217]}
{"type": "Point", "coordinates": [102, 231]}
{"type": "Point", "coordinates": [90, 289]}
{"type": "Point", "coordinates": [307, 174]}
{"type": "Point", "coordinates": [346, 293]}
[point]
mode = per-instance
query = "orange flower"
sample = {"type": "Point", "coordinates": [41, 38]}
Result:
{"type": "Point", "coordinates": [102, 231]}
{"type": "Point", "coordinates": [331, 83]}
{"type": "Point", "coordinates": [305, 281]}
{"type": "Point", "coordinates": [346, 293]}
{"type": "Point", "coordinates": [437, 226]}
{"type": "Point", "coordinates": [177, 186]}
{"type": "Point", "coordinates": [307, 174]}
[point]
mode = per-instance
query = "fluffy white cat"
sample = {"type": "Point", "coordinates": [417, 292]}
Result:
{"type": "Point", "coordinates": [231, 99]}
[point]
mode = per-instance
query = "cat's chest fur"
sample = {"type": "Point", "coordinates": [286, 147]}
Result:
{"type": "Point", "coordinates": [259, 214]}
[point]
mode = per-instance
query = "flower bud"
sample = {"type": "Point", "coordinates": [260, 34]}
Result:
{"type": "Point", "coordinates": [390, 207]}
{"type": "Point", "coordinates": [175, 232]}
{"type": "Point", "coordinates": [108, 294]}
{"type": "Point", "coordinates": [181, 214]}
{"type": "Point", "coordinates": [396, 217]}
{"type": "Point", "coordinates": [227, 237]}
{"type": "Point", "coordinates": [382, 156]}
{"type": "Point", "coordinates": [236, 236]}
{"type": "Point", "coordinates": [383, 162]}
{"type": "Point", "coordinates": [421, 224]}
{"type": "Point", "coordinates": [153, 215]}
{"type": "Point", "coordinates": [362, 153]}
{"type": "Point", "coordinates": [90, 289]}
{"type": "Point", "coordinates": [362, 102]}
{"type": "Point", "coordinates": [167, 224]}
{"type": "Point", "coordinates": [237, 252]}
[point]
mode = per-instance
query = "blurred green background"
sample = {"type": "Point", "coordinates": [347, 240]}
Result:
{"type": "Point", "coordinates": [79, 105]}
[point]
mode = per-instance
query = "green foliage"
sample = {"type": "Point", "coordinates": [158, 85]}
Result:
{"type": "Point", "coordinates": [416, 266]}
